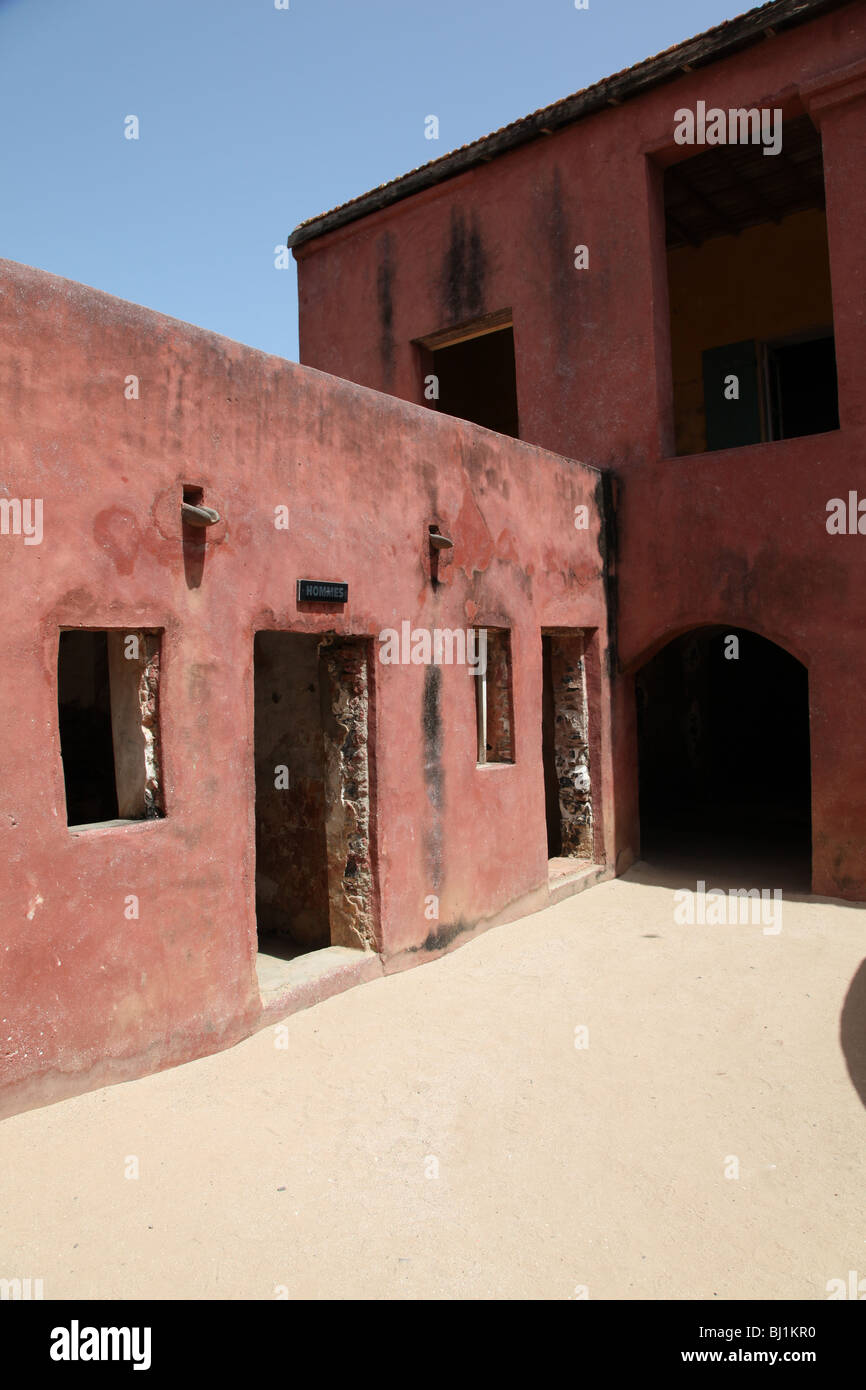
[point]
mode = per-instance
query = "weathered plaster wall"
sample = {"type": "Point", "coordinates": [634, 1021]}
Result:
{"type": "Point", "coordinates": [89, 994]}
{"type": "Point", "coordinates": [732, 537]}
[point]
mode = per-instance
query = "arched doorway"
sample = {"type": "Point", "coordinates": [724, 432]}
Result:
{"type": "Point", "coordinates": [723, 748]}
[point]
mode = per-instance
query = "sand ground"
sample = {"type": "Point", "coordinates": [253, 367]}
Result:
{"type": "Point", "coordinates": [438, 1134]}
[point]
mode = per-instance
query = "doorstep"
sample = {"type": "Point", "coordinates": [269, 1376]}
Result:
{"type": "Point", "coordinates": [565, 877]}
{"type": "Point", "coordinates": [286, 986]}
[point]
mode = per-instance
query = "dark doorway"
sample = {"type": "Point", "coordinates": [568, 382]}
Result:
{"type": "Point", "coordinates": [291, 852]}
{"type": "Point", "coordinates": [724, 761]}
{"type": "Point", "coordinates": [313, 866]}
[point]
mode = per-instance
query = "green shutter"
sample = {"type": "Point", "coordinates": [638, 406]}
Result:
{"type": "Point", "coordinates": [729, 422]}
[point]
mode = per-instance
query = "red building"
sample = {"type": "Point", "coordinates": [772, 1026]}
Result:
{"type": "Point", "coordinates": [251, 752]}
{"type": "Point", "coordinates": [663, 276]}
{"type": "Point", "coordinates": [224, 796]}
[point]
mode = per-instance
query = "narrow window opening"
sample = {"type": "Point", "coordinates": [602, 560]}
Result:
{"type": "Point", "coordinates": [494, 711]}
{"type": "Point", "coordinates": [107, 695]}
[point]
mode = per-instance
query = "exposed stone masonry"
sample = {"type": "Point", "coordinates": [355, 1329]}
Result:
{"type": "Point", "coordinates": [571, 746]}
{"type": "Point", "coordinates": [346, 701]}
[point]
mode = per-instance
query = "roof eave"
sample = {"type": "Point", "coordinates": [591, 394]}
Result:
{"type": "Point", "coordinates": [709, 47]}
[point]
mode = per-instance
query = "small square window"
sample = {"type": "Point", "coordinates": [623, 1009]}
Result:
{"type": "Point", "coordinates": [494, 701]}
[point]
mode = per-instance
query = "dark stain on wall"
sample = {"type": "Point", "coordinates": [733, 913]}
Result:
{"type": "Point", "coordinates": [385, 296]}
{"type": "Point", "coordinates": [443, 936]}
{"type": "Point", "coordinates": [464, 270]}
{"type": "Point", "coordinates": [433, 771]}
{"type": "Point", "coordinates": [560, 250]}
{"type": "Point", "coordinates": [605, 499]}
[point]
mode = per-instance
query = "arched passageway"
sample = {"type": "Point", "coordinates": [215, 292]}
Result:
{"type": "Point", "coordinates": [723, 746]}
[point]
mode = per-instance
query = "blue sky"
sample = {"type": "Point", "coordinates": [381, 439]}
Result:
{"type": "Point", "coordinates": [254, 118]}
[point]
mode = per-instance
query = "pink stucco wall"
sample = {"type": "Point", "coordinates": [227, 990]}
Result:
{"type": "Point", "coordinates": [88, 996]}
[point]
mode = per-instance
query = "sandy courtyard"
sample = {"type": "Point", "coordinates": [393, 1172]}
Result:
{"type": "Point", "coordinates": [438, 1134]}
